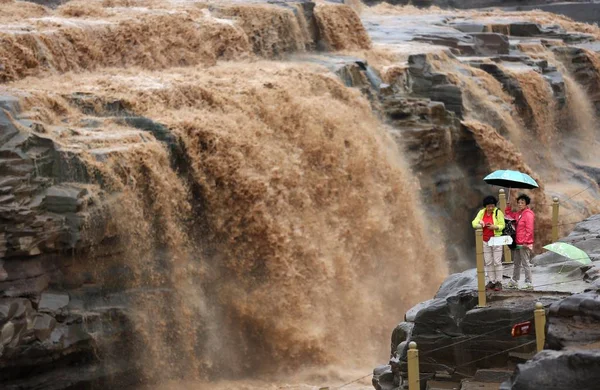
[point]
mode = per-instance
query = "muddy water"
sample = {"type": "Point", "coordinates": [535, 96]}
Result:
{"type": "Point", "coordinates": [313, 240]}
{"type": "Point", "coordinates": [538, 96]}
{"type": "Point", "coordinates": [294, 235]}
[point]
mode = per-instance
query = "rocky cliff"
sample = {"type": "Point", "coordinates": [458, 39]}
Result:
{"type": "Point", "coordinates": [187, 189]}
{"type": "Point", "coordinates": [458, 340]}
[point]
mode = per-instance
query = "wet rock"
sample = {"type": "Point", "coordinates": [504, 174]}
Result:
{"type": "Point", "coordinates": [487, 43]}
{"type": "Point", "coordinates": [28, 267]}
{"type": "Point", "coordinates": [445, 322]}
{"type": "Point", "coordinates": [463, 43]}
{"type": "Point", "coordinates": [525, 29]}
{"type": "Point", "coordinates": [426, 82]}
{"type": "Point", "coordinates": [464, 281]}
{"type": "Point", "coordinates": [383, 378]}
{"type": "Point", "coordinates": [53, 302]}
{"type": "Point", "coordinates": [7, 333]}
{"type": "Point", "coordinates": [557, 370]}
{"type": "Point", "coordinates": [24, 287]}
{"type": "Point", "coordinates": [43, 325]}
{"type": "Point", "coordinates": [574, 322]}
{"type": "Point", "coordinates": [467, 27]}
{"type": "Point", "coordinates": [471, 43]}
{"type": "Point", "coordinates": [450, 95]}
{"type": "Point", "coordinates": [13, 308]}
{"type": "Point", "coordinates": [399, 334]}
{"type": "Point", "coordinates": [585, 231]}
{"type": "Point", "coordinates": [556, 81]}
{"type": "Point", "coordinates": [64, 198]}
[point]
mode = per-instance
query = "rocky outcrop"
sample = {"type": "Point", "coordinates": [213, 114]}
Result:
{"type": "Point", "coordinates": [49, 316]}
{"type": "Point", "coordinates": [573, 335]}
{"type": "Point", "coordinates": [454, 335]}
{"type": "Point", "coordinates": [554, 370]}
{"type": "Point", "coordinates": [426, 82]}
{"type": "Point", "coordinates": [57, 309]}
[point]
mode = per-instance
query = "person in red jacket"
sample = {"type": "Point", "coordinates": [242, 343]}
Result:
{"type": "Point", "coordinates": [522, 254]}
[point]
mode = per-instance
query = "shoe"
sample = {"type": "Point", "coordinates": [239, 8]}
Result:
{"type": "Point", "coordinates": [512, 284]}
{"type": "Point", "coordinates": [498, 286]}
{"type": "Point", "coordinates": [489, 286]}
{"type": "Point", "coordinates": [528, 286]}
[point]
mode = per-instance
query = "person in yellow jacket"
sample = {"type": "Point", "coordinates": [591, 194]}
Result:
{"type": "Point", "coordinates": [491, 219]}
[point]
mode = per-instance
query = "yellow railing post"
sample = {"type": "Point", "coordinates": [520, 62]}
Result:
{"type": "Point", "coordinates": [554, 219]}
{"type": "Point", "coordinates": [502, 204]}
{"type": "Point", "coordinates": [480, 266]}
{"type": "Point", "coordinates": [413, 366]}
{"type": "Point", "coordinates": [540, 325]}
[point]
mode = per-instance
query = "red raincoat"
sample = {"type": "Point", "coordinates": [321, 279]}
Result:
{"type": "Point", "coordinates": [525, 224]}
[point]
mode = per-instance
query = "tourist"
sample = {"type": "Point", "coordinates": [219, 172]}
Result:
{"type": "Point", "coordinates": [522, 254]}
{"type": "Point", "coordinates": [491, 219]}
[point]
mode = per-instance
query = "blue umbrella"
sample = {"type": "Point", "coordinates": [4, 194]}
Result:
{"type": "Point", "coordinates": [510, 179]}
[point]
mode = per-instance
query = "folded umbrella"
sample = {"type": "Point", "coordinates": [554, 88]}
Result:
{"type": "Point", "coordinates": [511, 179]}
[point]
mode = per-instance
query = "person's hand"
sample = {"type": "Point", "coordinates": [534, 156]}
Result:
{"type": "Point", "coordinates": [482, 223]}
{"type": "Point", "coordinates": [493, 227]}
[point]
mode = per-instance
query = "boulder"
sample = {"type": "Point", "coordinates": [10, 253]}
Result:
{"type": "Point", "coordinates": [383, 378]}
{"type": "Point", "coordinates": [401, 333]}
{"type": "Point", "coordinates": [574, 322]}
{"type": "Point", "coordinates": [557, 370]}
{"type": "Point", "coordinates": [455, 283]}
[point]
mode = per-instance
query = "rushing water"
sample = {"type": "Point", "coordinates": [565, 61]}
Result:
{"type": "Point", "coordinates": [299, 243]}
{"type": "Point", "coordinates": [289, 234]}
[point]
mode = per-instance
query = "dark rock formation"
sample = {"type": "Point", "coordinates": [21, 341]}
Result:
{"type": "Point", "coordinates": [453, 334]}
{"type": "Point", "coordinates": [426, 82]}
{"type": "Point", "coordinates": [574, 322]}
{"type": "Point", "coordinates": [554, 370]}
{"type": "Point", "coordinates": [45, 328]}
